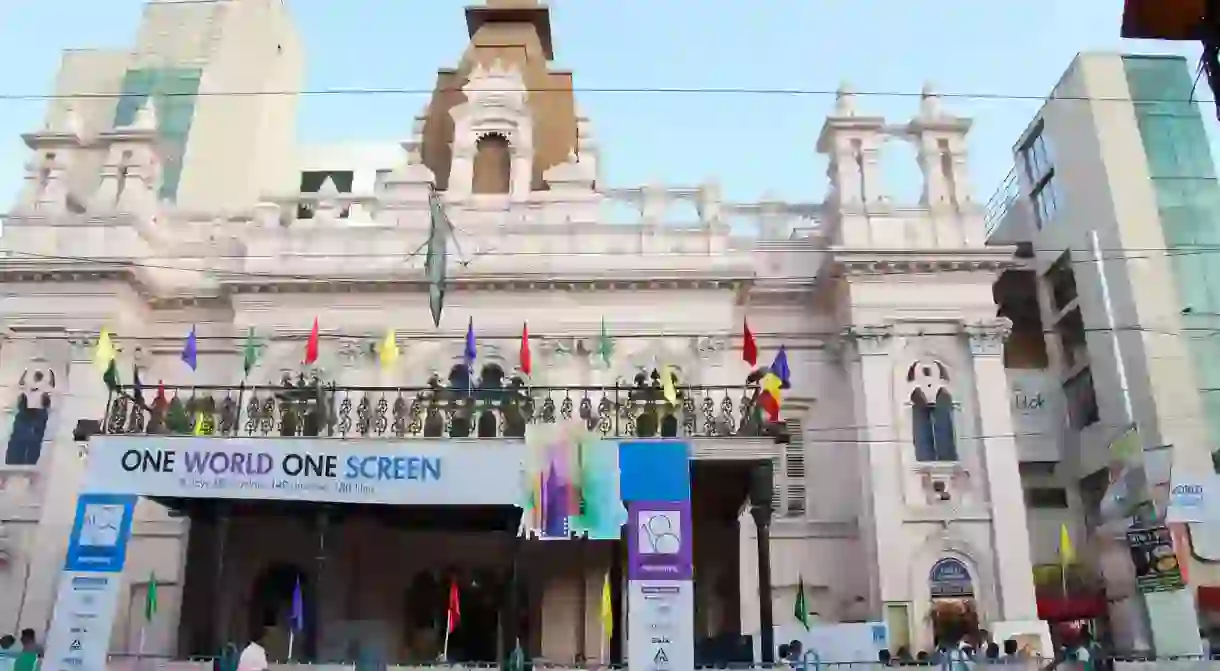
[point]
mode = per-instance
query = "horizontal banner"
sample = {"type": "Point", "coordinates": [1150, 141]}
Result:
{"type": "Point", "coordinates": [451, 473]}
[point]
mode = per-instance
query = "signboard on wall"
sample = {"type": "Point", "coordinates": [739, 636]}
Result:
{"type": "Point", "coordinates": [87, 598]}
{"type": "Point", "coordinates": [1035, 399]}
{"type": "Point", "coordinates": [330, 471]}
{"type": "Point", "coordinates": [1157, 567]}
{"type": "Point", "coordinates": [950, 578]}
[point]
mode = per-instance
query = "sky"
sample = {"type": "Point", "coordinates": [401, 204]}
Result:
{"type": "Point", "coordinates": [753, 144]}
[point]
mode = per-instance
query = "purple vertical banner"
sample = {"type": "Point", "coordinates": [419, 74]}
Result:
{"type": "Point", "coordinates": [659, 540]}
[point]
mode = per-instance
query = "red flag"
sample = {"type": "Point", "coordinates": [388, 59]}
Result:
{"type": "Point", "coordinates": [311, 347]}
{"type": "Point", "coordinates": [455, 608]}
{"type": "Point", "coordinates": [749, 349]}
{"type": "Point", "coordinates": [527, 361]}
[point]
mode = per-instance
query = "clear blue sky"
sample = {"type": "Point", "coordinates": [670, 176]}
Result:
{"type": "Point", "coordinates": [752, 143]}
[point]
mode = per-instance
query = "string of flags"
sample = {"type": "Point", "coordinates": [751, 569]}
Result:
{"type": "Point", "coordinates": [777, 377]}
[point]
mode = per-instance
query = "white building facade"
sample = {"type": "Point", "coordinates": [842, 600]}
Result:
{"type": "Point", "coordinates": [150, 215]}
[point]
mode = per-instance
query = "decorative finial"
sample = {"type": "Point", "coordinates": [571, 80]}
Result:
{"type": "Point", "coordinates": [845, 100]}
{"type": "Point", "coordinates": [929, 103]}
{"type": "Point", "coordinates": [146, 116]}
{"type": "Point", "coordinates": [328, 187]}
{"type": "Point", "coordinates": [73, 123]}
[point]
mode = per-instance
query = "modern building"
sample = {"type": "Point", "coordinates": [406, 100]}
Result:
{"type": "Point", "coordinates": [1115, 207]}
{"type": "Point", "coordinates": [891, 490]}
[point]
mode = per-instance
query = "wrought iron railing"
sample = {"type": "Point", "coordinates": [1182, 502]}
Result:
{"type": "Point", "coordinates": [310, 407]}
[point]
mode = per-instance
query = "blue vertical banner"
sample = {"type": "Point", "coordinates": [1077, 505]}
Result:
{"type": "Point", "coordinates": [655, 485]}
{"type": "Point", "coordinates": [88, 595]}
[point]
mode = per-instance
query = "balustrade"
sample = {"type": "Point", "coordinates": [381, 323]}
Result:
{"type": "Point", "coordinates": [455, 408]}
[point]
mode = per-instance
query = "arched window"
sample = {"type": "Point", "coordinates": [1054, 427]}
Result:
{"type": "Point", "coordinates": [932, 427]}
{"type": "Point", "coordinates": [492, 165]}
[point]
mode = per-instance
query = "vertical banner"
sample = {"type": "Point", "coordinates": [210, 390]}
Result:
{"type": "Point", "coordinates": [87, 599]}
{"type": "Point", "coordinates": [661, 625]}
{"type": "Point", "coordinates": [655, 485]}
{"type": "Point", "coordinates": [658, 545]}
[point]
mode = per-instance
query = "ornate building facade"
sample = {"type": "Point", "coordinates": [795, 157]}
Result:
{"type": "Point", "coordinates": [165, 209]}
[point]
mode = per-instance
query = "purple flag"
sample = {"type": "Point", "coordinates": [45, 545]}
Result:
{"type": "Point", "coordinates": [555, 512]}
{"type": "Point", "coordinates": [298, 609]}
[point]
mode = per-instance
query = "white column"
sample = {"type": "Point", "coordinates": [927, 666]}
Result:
{"type": "Point", "coordinates": [522, 177]}
{"type": "Point", "coordinates": [880, 467]}
{"type": "Point", "coordinates": [81, 394]}
{"type": "Point", "coordinates": [461, 170]}
{"type": "Point", "coordinates": [1010, 530]}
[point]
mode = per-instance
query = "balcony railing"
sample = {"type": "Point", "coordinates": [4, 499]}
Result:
{"type": "Point", "coordinates": [310, 407]}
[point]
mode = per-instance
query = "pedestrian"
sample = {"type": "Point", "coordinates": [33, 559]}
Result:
{"type": "Point", "coordinates": [27, 659]}
{"type": "Point", "coordinates": [8, 652]}
{"type": "Point", "coordinates": [254, 656]}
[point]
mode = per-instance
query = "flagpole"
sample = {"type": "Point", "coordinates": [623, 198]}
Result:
{"type": "Point", "coordinates": [445, 646]}
{"type": "Point", "coordinates": [291, 637]}
{"type": "Point", "coordinates": [241, 391]}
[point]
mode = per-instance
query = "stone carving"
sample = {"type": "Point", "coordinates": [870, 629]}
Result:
{"type": "Point", "coordinates": [870, 339]}
{"type": "Point", "coordinates": [987, 338]}
{"type": "Point", "coordinates": [496, 87]}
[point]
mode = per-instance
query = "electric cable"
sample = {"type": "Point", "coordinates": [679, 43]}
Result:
{"type": "Point", "coordinates": [654, 90]}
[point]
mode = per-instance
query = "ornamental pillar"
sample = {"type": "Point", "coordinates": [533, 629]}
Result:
{"type": "Point", "coordinates": [998, 453]}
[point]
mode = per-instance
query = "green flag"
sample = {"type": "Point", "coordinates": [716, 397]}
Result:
{"type": "Point", "coordinates": [111, 376]}
{"type": "Point", "coordinates": [250, 353]}
{"type": "Point", "coordinates": [800, 609]}
{"type": "Point", "coordinates": [516, 659]}
{"type": "Point", "coordinates": [437, 256]}
{"type": "Point", "coordinates": [605, 346]}
{"type": "Point", "coordinates": [150, 598]}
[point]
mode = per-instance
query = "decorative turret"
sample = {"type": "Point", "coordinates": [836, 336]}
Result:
{"type": "Point", "coordinates": [853, 144]}
{"type": "Point", "coordinates": [131, 176]}
{"type": "Point", "coordinates": [940, 139]}
{"type": "Point", "coordinates": [495, 119]}
{"type": "Point", "coordinates": [47, 188]}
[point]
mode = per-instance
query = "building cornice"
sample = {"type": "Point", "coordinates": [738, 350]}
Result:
{"type": "Point", "coordinates": [858, 262]}
{"type": "Point", "coordinates": [650, 281]}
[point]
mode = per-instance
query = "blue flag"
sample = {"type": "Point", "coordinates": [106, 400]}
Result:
{"type": "Point", "coordinates": [190, 351]}
{"type": "Point", "coordinates": [298, 609]}
{"type": "Point", "coordinates": [470, 354]}
{"type": "Point", "coordinates": [779, 367]}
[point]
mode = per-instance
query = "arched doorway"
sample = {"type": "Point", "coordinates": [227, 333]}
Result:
{"type": "Point", "coordinates": [271, 610]}
{"type": "Point", "coordinates": [493, 164]}
{"type": "Point", "coordinates": [480, 598]}
{"type": "Point", "coordinates": [953, 611]}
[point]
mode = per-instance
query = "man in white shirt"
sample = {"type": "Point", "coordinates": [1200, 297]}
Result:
{"type": "Point", "coordinates": [253, 657]}
{"type": "Point", "coordinates": [8, 652]}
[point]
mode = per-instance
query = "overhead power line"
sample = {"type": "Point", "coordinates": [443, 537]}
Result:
{"type": "Point", "coordinates": [652, 90]}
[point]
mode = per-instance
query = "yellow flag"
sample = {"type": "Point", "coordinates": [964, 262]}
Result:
{"type": "Point", "coordinates": [607, 613]}
{"type": "Point", "coordinates": [1067, 553]}
{"type": "Point", "coordinates": [105, 352]}
{"type": "Point", "coordinates": [667, 386]}
{"type": "Point", "coordinates": [388, 352]}
{"type": "Point", "coordinates": [198, 430]}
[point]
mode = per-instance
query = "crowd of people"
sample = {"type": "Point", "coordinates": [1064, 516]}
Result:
{"type": "Point", "coordinates": [968, 653]}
